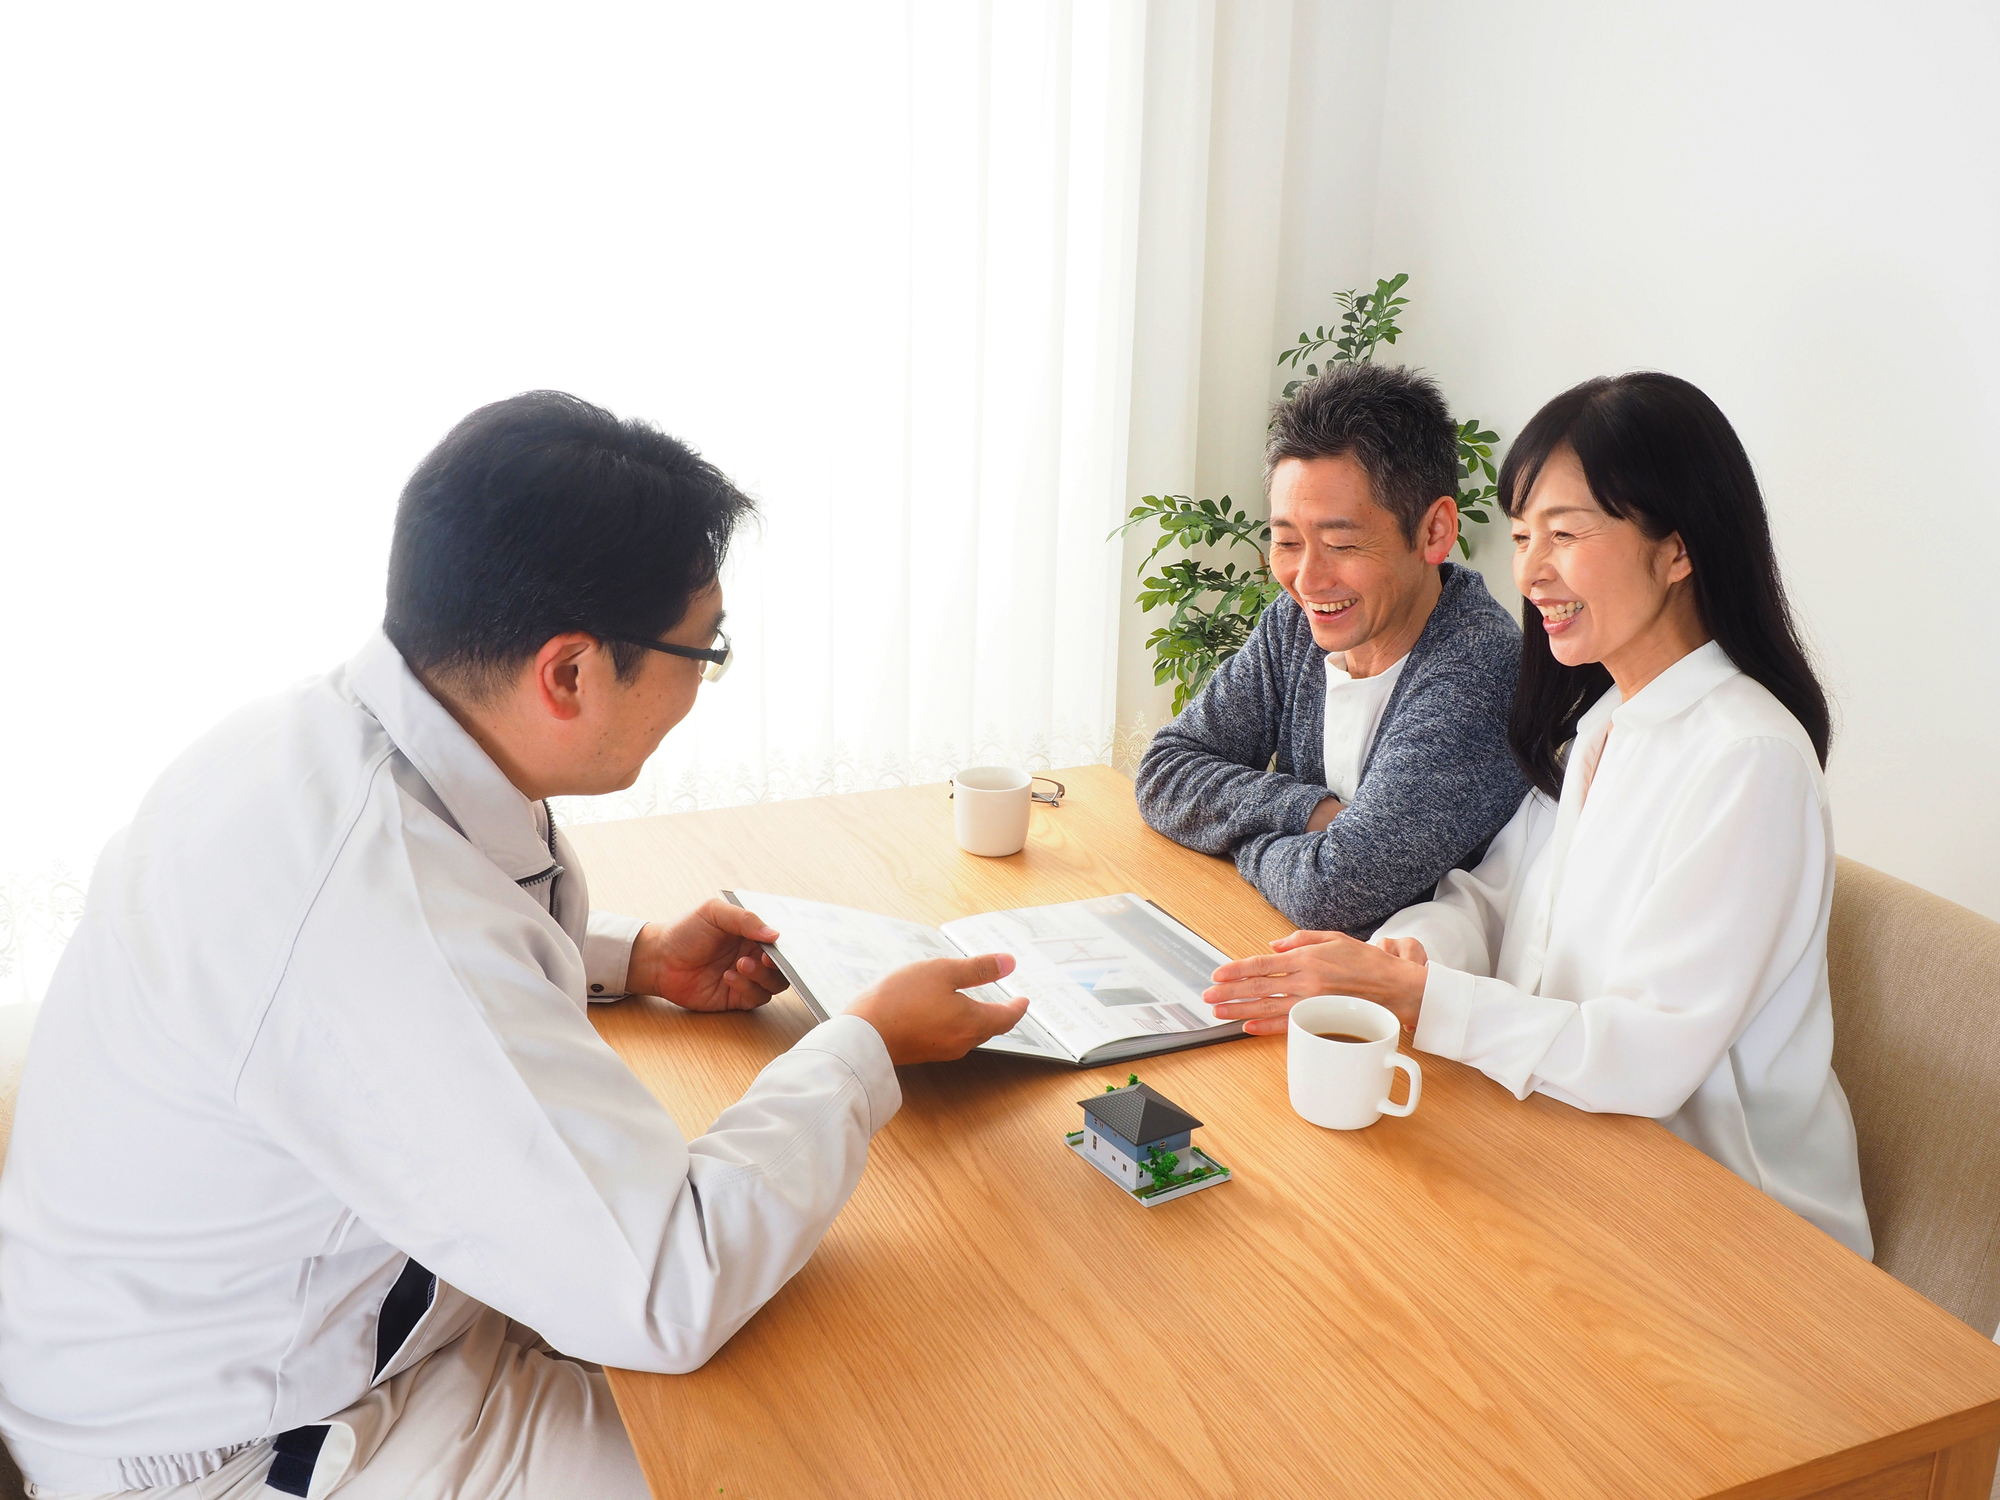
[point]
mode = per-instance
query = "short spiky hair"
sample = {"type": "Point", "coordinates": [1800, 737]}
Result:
{"type": "Point", "coordinates": [1393, 420]}
{"type": "Point", "coordinates": [543, 514]}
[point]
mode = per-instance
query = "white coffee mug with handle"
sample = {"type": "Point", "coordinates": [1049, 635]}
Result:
{"type": "Point", "coordinates": [989, 810]}
{"type": "Point", "coordinates": [1344, 1085]}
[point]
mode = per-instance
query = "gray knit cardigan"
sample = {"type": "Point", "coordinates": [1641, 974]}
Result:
{"type": "Point", "coordinates": [1438, 783]}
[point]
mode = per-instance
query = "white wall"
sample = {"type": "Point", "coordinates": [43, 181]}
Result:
{"type": "Point", "coordinates": [1795, 206]}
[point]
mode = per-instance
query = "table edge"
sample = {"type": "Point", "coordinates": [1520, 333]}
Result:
{"type": "Point", "coordinates": [1871, 1457]}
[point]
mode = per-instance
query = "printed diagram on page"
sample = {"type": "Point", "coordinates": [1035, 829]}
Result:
{"type": "Point", "coordinates": [1108, 972]}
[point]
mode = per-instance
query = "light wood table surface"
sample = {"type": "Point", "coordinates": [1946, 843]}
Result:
{"type": "Point", "coordinates": [1490, 1298]}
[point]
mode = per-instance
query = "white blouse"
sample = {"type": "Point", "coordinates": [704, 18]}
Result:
{"type": "Point", "coordinates": [1655, 943]}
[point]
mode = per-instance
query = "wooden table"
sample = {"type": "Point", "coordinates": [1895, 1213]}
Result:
{"type": "Point", "coordinates": [1489, 1298]}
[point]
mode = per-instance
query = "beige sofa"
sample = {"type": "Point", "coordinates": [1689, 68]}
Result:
{"type": "Point", "coordinates": [1916, 1044]}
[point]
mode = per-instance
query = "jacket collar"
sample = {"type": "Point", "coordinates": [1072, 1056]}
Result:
{"type": "Point", "coordinates": [1672, 693]}
{"type": "Point", "coordinates": [1446, 616]}
{"type": "Point", "coordinates": [1453, 584]}
{"type": "Point", "coordinates": [488, 808]}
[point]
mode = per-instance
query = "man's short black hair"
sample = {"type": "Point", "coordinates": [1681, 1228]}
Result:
{"type": "Point", "coordinates": [543, 514]}
{"type": "Point", "coordinates": [1393, 420]}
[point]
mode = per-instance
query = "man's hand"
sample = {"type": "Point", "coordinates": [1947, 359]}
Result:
{"type": "Point", "coordinates": [1322, 816]}
{"type": "Point", "coordinates": [1260, 992]}
{"type": "Point", "coordinates": [711, 959]}
{"type": "Point", "coordinates": [922, 1016]}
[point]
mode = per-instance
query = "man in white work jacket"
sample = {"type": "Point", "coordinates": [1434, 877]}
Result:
{"type": "Point", "coordinates": [316, 1145]}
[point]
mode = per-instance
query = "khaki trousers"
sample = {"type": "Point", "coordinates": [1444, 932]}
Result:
{"type": "Point", "coordinates": [494, 1415]}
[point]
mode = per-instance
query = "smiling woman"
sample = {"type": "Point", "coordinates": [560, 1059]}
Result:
{"type": "Point", "coordinates": [1569, 552]}
{"type": "Point", "coordinates": [1666, 955]}
{"type": "Point", "coordinates": [1639, 533]}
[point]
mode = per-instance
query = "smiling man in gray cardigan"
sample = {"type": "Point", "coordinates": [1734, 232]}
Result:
{"type": "Point", "coordinates": [1380, 681]}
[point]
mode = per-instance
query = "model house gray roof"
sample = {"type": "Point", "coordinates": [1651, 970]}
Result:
{"type": "Point", "coordinates": [1139, 1114]}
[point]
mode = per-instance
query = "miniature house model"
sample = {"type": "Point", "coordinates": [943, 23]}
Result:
{"type": "Point", "coordinates": [1120, 1127]}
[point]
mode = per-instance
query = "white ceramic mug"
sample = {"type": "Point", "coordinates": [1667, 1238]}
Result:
{"type": "Point", "coordinates": [989, 809]}
{"type": "Point", "coordinates": [1345, 1085]}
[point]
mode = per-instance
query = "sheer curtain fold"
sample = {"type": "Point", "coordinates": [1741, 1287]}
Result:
{"type": "Point", "coordinates": [948, 597]}
{"type": "Point", "coordinates": [877, 262]}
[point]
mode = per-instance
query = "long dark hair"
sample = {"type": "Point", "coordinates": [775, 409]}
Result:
{"type": "Point", "coordinates": [1657, 452]}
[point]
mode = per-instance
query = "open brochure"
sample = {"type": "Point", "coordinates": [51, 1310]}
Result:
{"type": "Point", "coordinates": [1107, 979]}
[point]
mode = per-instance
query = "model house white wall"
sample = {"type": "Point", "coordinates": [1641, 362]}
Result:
{"type": "Point", "coordinates": [1127, 1168]}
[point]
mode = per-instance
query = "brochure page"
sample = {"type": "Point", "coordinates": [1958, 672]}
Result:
{"type": "Point", "coordinates": [839, 952]}
{"type": "Point", "coordinates": [1101, 970]}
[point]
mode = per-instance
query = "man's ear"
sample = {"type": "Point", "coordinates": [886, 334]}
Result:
{"type": "Point", "coordinates": [558, 673]}
{"type": "Point", "coordinates": [1437, 533]}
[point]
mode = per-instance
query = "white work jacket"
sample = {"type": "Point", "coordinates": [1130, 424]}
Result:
{"type": "Point", "coordinates": [318, 1021]}
{"type": "Point", "coordinates": [1658, 947]}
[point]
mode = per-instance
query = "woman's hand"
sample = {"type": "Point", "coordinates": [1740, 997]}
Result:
{"type": "Point", "coordinates": [1261, 991]}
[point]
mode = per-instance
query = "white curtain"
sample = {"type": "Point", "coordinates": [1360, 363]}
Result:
{"type": "Point", "coordinates": [877, 260]}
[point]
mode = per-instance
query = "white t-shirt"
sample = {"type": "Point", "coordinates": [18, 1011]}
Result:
{"type": "Point", "coordinates": [1353, 713]}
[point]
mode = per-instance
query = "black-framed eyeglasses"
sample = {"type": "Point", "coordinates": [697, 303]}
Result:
{"type": "Point", "coordinates": [715, 661]}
